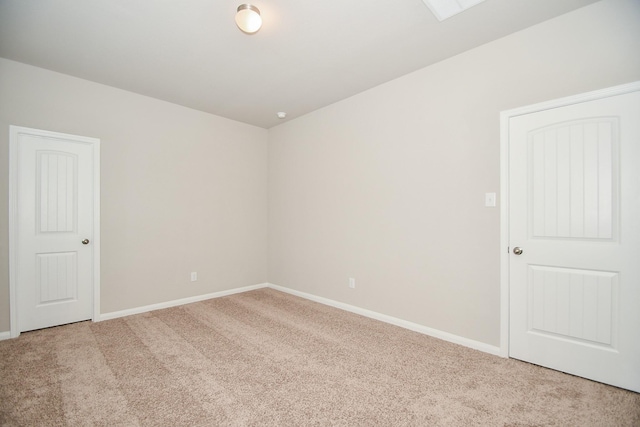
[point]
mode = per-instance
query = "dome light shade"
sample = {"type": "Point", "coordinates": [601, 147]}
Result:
{"type": "Point", "coordinates": [248, 18]}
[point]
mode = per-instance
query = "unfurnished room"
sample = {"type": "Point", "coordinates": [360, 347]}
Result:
{"type": "Point", "coordinates": [297, 213]}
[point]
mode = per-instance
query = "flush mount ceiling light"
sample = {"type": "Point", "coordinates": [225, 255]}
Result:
{"type": "Point", "coordinates": [444, 9]}
{"type": "Point", "coordinates": [248, 18]}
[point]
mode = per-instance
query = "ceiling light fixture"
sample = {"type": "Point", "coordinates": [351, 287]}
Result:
{"type": "Point", "coordinates": [248, 18]}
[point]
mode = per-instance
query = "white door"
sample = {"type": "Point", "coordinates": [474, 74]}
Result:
{"type": "Point", "coordinates": [574, 212]}
{"type": "Point", "coordinates": [54, 232]}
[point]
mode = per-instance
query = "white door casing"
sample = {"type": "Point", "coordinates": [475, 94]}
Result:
{"type": "Point", "coordinates": [54, 206]}
{"type": "Point", "coordinates": [572, 205]}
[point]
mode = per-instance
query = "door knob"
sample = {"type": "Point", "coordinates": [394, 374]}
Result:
{"type": "Point", "coordinates": [86, 242]}
{"type": "Point", "coordinates": [517, 250]}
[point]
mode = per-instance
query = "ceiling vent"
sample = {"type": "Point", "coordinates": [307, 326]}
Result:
{"type": "Point", "coordinates": [444, 9]}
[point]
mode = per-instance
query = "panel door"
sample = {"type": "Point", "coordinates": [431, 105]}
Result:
{"type": "Point", "coordinates": [574, 211]}
{"type": "Point", "coordinates": [54, 215]}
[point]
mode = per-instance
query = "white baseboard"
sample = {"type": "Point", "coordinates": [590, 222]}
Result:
{"type": "Point", "coordinates": [174, 303]}
{"type": "Point", "coordinates": [446, 336]}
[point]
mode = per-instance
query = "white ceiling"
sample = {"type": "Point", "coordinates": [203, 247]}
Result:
{"type": "Point", "coordinates": [307, 55]}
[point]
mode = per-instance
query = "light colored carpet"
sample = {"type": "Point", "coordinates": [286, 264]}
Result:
{"type": "Point", "coordinates": [265, 358]}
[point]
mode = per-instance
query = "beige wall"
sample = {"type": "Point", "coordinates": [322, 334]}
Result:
{"type": "Point", "coordinates": [388, 186]}
{"type": "Point", "coordinates": [181, 190]}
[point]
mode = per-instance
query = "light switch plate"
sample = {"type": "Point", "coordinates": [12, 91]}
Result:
{"type": "Point", "coordinates": [490, 200]}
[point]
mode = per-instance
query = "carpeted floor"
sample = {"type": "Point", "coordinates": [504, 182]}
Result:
{"type": "Point", "coordinates": [265, 358]}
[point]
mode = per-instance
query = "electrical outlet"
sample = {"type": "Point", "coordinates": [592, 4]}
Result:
{"type": "Point", "coordinates": [194, 276]}
{"type": "Point", "coordinates": [352, 283]}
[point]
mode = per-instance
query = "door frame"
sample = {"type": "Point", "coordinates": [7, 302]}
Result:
{"type": "Point", "coordinates": [14, 132]}
{"type": "Point", "coordinates": [505, 116]}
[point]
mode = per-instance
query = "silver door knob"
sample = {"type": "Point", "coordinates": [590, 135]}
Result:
{"type": "Point", "coordinates": [517, 250]}
{"type": "Point", "coordinates": [85, 242]}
